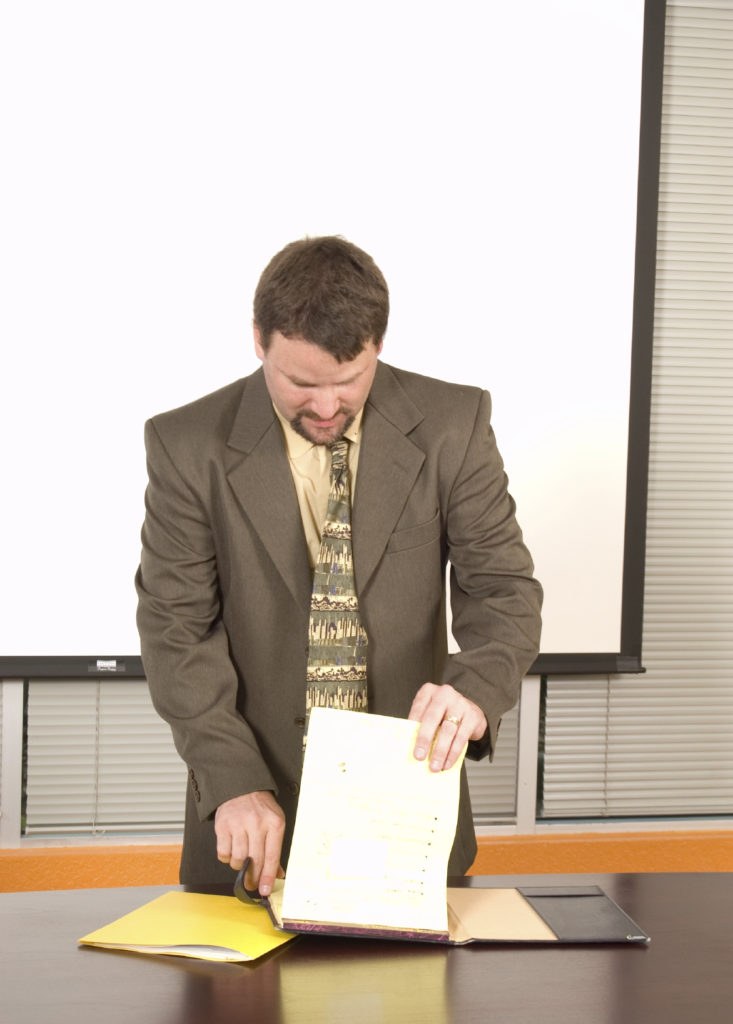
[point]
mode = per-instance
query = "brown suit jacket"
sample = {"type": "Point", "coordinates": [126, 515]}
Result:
{"type": "Point", "coordinates": [224, 584]}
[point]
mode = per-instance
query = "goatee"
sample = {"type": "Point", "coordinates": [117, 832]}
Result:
{"type": "Point", "coordinates": [298, 425]}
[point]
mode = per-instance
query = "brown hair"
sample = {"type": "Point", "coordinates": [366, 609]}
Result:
{"type": "Point", "coordinates": [326, 291]}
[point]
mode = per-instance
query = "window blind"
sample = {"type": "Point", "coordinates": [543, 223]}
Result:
{"type": "Point", "coordinates": [100, 759]}
{"type": "Point", "coordinates": [493, 785]}
{"type": "Point", "coordinates": [662, 744]}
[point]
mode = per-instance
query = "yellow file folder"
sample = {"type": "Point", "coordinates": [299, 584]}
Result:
{"type": "Point", "coordinates": [195, 925]}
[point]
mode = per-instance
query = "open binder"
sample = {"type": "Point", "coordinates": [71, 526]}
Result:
{"type": "Point", "coordinates": [527, 914]}
{"type": "Point", "coordinates": [372, 838]}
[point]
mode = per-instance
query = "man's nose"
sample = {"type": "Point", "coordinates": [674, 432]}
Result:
{"type": "Point", "coordinates": [326, 403]}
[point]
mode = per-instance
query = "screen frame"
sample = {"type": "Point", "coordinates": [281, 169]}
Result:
{"type": "Point", "coordinates": [628, 659]}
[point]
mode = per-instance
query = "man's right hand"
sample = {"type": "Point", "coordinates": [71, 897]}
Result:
{"type": "Point", "coordinates": [251, 826]}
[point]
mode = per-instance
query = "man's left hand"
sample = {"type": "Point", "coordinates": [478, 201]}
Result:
{"type": "Point", "coordinates": [448, 720]}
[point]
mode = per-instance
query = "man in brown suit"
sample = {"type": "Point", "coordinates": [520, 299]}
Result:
{"type": "Point", "coordinates": [225, 578]}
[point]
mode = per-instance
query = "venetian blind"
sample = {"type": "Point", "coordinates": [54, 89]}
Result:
{"type": "Point", "coordinates": [662, 744]}
{"type": "Point", "coordinates": [100, 759]}
{"type": "Point", "coordinates": [493, 784]}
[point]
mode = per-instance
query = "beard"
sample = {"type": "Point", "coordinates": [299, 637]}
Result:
{"type": "Point", "coordinates": [321, 436]}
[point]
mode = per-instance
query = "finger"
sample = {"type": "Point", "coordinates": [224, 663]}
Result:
{"type": "Point", "coordinates": [271, 866]}
{"type": "Point", "coordinates": [447, 745]}
{"type": "Point", "coordinates": [456, 749]}
{"type": "Point", "coordinates": [241, 850]}
{"type": "Point", "coordinates": [470, 724]}
{"type": "Point", "coordinates": [420, 702]}
{"type": "Point", "coordinates": [250, 878]}
{"type": "Point", "coordinates": [426, 734]}
{"type": "Point", "coordinates": [224, 846]}
{"type": "Point", "coordinates": [429, 709]}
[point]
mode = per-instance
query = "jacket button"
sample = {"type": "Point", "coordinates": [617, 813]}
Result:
{"type": "Point", "coordinates": [299, 722]}
{"type": "Point", "coordinates": [294, 788]}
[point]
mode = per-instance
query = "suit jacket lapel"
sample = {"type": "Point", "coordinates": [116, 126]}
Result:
{"type": "Point", "coordinates": [264, 487]}
{"type": "Point", "coordinates": [389, 463]}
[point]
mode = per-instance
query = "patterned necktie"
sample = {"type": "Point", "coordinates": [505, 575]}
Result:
{"type": "Point", "coordinates": [337, 640]}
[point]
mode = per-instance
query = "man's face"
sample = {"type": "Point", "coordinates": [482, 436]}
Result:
{"type": "Point", "coordinates": [317, 395]}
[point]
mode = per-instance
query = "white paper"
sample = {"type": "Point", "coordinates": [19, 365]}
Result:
{"type": "Point", "coordinates": [374, 828]}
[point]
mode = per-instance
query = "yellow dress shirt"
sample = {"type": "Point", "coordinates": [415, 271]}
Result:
{"type": "Point", "coordinates": [310, 465]}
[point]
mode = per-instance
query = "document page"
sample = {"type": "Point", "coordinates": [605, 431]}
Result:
{"type": "Point", "coordinates": [374, 827]}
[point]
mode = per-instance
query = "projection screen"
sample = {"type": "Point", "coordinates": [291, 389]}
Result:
{"type": "Point", "coordinates": [486, 154]}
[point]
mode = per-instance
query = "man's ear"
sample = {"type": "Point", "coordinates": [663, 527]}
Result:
{"type": "Point", "coordinates": [258, 341]}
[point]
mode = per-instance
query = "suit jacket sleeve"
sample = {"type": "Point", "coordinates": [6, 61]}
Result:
{"type": "Point", "coordinates": [185, 647]}
{"type": "Point", "coordinates": [495, 601]}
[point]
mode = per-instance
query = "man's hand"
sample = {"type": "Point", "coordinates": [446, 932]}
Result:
{"type": "Point", "coordinates": [448, 719]}
{"type": "Point", "coordinates": [251, 826]}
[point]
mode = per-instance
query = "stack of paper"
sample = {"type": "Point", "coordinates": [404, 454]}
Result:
{"type": "Point", "coordinates": [374, 828]}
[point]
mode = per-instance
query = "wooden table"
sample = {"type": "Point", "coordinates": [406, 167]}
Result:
{"type": "Point", "coordinates": [685, 975]}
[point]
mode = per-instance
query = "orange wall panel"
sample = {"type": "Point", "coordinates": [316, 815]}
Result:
{"type": "Point", "coordinates": [604, 853]}
{"type": "Point", "coordinates": [81, 867]}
